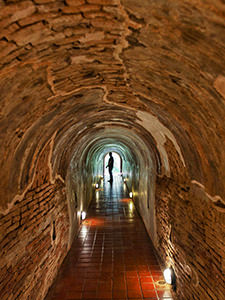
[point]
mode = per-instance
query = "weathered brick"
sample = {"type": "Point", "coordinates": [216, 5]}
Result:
{"type": "Point", "coordinates": [65, 21]}
{"type": "Point", "coordinates": [36, 18]}
{"type": "Point", "coordinates": [13, 227]}
{"type": "Point", "coordinates": [104, 2]}
{"type": "Point", "coordinates": [52, 7]}
{"type": "Point", "coordinates": [8, 238]}
{"type": "Point", "coordinates": [17, 11]}
{"type": "Point", "coordinates": [43, 1]}
{"type": "Point", "coordinates": [71, 10]}
{"type": "Point", "coordinates": [97, 14]}
{"type": "Point", "coordinates": [78, 9]}
{"type": "Point", "coordinates": [75, 2]}
{"type": "Point", "coordinates": [33, 34]}
{"type": "Point", "coordinates": [95, 36]}
{"type": "Point", "coordinates": [106, 24]}
{"type": "Point", "coordinates": [8, 31]}
{"type": "Point", "coordinates": [6, 48]}
{"type": "Point", "coordinates": [43, 187]}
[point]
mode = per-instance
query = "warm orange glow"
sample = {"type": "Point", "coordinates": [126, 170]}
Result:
{"type": "Point", "coordinates": [95, 222]}
{"type": "Point", "coordinates": [125, 200]}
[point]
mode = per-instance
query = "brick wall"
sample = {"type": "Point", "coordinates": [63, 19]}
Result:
{"type": "Point", "coordinates": [34, 238]}
{"type": "Point", "coordinates": [164, 57]}
{"type": "Point", "coordinates": [190, 230]}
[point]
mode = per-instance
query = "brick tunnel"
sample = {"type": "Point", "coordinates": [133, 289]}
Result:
{"type": "Point", "coordinates": [144, 79]}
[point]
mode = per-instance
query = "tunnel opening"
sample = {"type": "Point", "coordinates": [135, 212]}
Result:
{"type": "Point", "coordinates": [81, 78]}
{"type": "Point", "coordinates": [134, 160]}
{"type": "Point", "coordinates": [74, 156]}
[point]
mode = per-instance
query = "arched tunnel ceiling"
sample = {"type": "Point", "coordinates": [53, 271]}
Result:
{"type": "Point", "coordinates": [126, 142]}
{"type": "Point", "coordinates": [64, 62]}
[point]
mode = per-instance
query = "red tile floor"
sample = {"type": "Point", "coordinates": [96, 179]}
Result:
{"type": "Point", "coordinates": [112, 257]}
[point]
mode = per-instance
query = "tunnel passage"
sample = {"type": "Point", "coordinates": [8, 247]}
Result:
{"type": "Point", "coordinates": [139, 164]}
{"type": "Point", "coordinates": [112, 256]}
{"type": "Point", "coordinates": [145, 79]}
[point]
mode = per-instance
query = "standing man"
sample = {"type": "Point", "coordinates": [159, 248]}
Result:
{"type": "Point", "coordinates": [110, 166]}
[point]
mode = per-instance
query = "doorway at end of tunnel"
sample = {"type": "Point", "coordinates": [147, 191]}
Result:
{"type": "Point", "coordinates": [117, 166]}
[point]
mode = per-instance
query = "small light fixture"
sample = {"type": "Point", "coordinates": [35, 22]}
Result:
{"type": "Point", "coordinates": [96, 185]}
{"type": "Point", "coordinates": [170, 277]}
{"type": "Point", "coordinates": [83, 215]}
{"type": "Point", "coordinates": [124, 180]}
{"type": "Point", "coordinates": [130, 194]}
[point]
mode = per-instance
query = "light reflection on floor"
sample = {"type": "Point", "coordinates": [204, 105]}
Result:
{"type": "Point", "coordinates": [112, 258]}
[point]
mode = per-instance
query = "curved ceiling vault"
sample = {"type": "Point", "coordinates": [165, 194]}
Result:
{"type": "Point", "coordinates": [74, 73]}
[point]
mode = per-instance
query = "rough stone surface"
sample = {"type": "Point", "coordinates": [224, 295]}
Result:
{"type": "Point", "coordinates": [30, 254]}
{"type": "Point", "coordinates": [72, 70]}
{"type": "Point", "coordinates": [219, 85]}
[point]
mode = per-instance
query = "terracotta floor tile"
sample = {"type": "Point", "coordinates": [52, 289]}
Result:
{"type": "Point", "coordinates": [58, 297]}
{"type": "Point", "coordinates": [119, 285]}
{"type": "Point", "coordinates": [73, 295]}
{"type": "Point", "coordinates": [149, 294]}
{"type": "Point", "coordinates": [131, 274]}
{"type": "Point", "coordinates": [157, 278]}
{"type": "Point", "coordinates": [92, 275]}
{"type": "Point", "coordinates": [118, 294]}
{"type": "Point", "coordinates": [90, 285]}
{"type": "Point", "coordinates": [147, 286]}
{"type": "Point", "coordinates": [104, 261]}
{"type": "Point", "coordinates": [133, 287]}
{"type": "Point", "coordinates": [89, 295]}
{"type": "Point", "coordinates": [104, 294]}
{"type": "Point", "coordinates": [76, 287]}
{"type": "Point", "coordinates": [132, 280]}
{"type": "Point", "coordinates": [144, 274]}
{"type": "Point", "coordinates": [134, 294]}
{"type": "Point", "coordinates": [147, 279]}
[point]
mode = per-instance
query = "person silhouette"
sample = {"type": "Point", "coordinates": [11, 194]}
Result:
{"type": "Point", "coordinates": [110, 166]}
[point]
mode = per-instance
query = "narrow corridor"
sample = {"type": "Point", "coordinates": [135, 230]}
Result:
{"type": "Point", "coordinates": [113, 257]}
